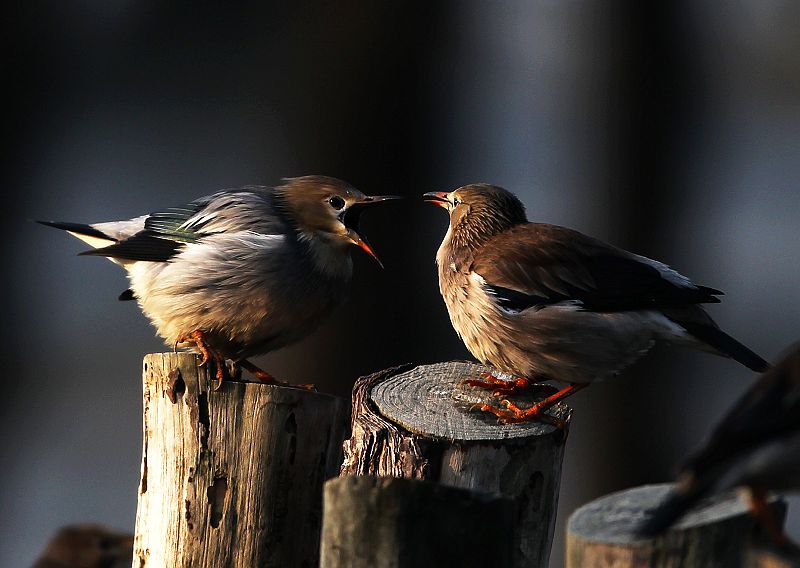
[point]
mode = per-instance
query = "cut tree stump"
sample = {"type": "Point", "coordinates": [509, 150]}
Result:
{"type": "Point", "coordinates": [231, 477]}
{"type": "Point", "coordinates": [416, 422]}
{"type": "Point", "coordinates": [602, 534]}
{"type": "Point", "coordinates": [372, 522]}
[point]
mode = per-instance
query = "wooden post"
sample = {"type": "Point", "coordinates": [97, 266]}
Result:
{"type": "Point", "coordinates": [602, 533]}
{"type": "Point", "coordinates": [416, 422]}
{"type": "Point", "coordinates": [372, 522]}
{"type": "Point", "coordinates": [232, 477]}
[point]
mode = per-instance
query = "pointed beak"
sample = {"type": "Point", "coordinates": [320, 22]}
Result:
{"type": "Point", "coordinates": [362, 243]}
{"type": "Point", "coordinates": [352, 217]}
{"type": "Point", "coordinates": [377, 199]}
{"type": "Point", "coordinates": [437, 198]}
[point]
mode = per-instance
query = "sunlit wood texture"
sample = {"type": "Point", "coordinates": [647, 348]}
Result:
{"type": "Point", "coordinates": [231, 477]}
{"type": "Point", "coordinates": [416, 422]}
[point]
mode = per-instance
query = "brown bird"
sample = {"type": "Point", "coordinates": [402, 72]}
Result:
{"type": "Point", "coordinates": [545, 302]}
{"type": "Point", "coordinates": [241, 272]}
{"type": "Point", "coordinates": [756, 446]}
{"type": "Point", "coordinates": [87, 546]}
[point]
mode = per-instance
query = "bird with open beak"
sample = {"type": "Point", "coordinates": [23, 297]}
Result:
{"type": "Point", "coordinates": [243, 271]}
{"type": "Point", "coordinates": [756, 446]}
{"type": "Point", "coordinates": [545, 302]}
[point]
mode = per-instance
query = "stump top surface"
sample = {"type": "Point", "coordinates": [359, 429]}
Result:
{"type": "Point", "coordinates": [615, 518]}
{"type": "Point", "coordinates": [430, 400]}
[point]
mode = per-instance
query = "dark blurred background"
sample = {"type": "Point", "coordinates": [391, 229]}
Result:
{"type": "Point", "coordinates": [671, 129]}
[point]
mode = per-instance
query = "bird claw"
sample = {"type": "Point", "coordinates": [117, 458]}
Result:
{"type": "Point", "coordinates": [266, 378]}
{"type": "Point", "coordinates": [499, 387]}
{"type": "Point", "coordinates": [537, 412]}
{"type": "Point", "coordinates": [513, 414]}
{"type": "Point", "coordinates": [219, 376]}
{"type": "Point", "coordinates": [207, 353]}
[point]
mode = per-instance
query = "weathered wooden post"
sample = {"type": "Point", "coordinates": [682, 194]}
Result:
{"type": "Point", "coordinates": [385, 522]}
{"type": "Point", "coordinates": [415, 422]}
{"type": "Point", "coordinates": [602, 533]}
{"type": "Point", "coordinates": [231, 477]}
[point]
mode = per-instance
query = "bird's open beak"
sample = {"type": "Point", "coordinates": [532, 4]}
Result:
{"type": "Point", "coordinates": [352, 217]}
{"type": "Point", "coordinates": [361, 243]}
{"type": "Point", "coordinates": [437, 198]}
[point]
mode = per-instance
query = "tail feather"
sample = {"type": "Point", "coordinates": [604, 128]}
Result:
{"type": "Point", "coordinates": [77, 228]}
{"type": "Point", "coordinates": [87, 233]}
{"type": "Point", "coordinates": [726, 345]}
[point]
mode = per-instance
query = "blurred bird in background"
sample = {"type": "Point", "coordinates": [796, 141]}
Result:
{"type": "Point", "coordinates": [545, 302]}
{"type": "Point", "coordinates": [756, 446]}
{"type": "Point", "coordinates": [243, 271]}
{"type": "Point", "coordinates": [87, 546]}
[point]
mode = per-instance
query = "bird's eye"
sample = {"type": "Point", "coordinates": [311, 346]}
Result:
{"type": "Point", "coordinates": [456, 201]}
{"type": "Point", "coordinates": [336, 202]}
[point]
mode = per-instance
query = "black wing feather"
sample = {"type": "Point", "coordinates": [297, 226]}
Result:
{"type": "Point", "coordinates": [141, 246]}
{"type": "Point", "coordinates": [79, 228]}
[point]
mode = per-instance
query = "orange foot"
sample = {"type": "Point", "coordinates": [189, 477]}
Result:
{"type": "Point", "coordinates": [207, 353]}
{"type": "Point", "coordinates": [500, 387]}
{"type": "Point", "coordinates": [761, 510]}
{"type": "Point", "coordinates": [513, 413]}
{"type": "Point", "coordinates": [262, 375]}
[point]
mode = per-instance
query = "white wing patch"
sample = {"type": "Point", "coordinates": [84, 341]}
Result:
{"type": "Point", "coordinates": [94, 242]}
{"type": "Point", "coordinates": [667, 273]}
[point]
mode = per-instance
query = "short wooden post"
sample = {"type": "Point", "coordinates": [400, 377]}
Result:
{"type": "Point", "coordinates": [372, 522]}
{"type": "Point", "coordinates": [232, 477]}
{"type": "Point", "coordinates": [602, 533]}
{"type": "Point", "coordinates": [416, 422]}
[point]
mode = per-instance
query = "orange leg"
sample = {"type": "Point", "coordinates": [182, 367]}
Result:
{"type": "Point", "coordinates": [264, 376]}
{"type": "Point", "coordinates": [766, 516]}
{"type": "Point", "coordinates": [503, 416]}
{"type": "Point", "coordinates": [500, 387]}
{"type": "Point", "coordinates": [536, 412]}
{"type": "Point", "coordinates": [207, 353]}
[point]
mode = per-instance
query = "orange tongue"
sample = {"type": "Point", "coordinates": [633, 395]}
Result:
{"type": "Point", "coordinates": [368, 249]}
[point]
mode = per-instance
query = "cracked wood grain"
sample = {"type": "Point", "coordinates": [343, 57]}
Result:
{"type": "Point", "coordinates": [415, 422]}
{"type": "Point", "coordinates": [232, 477]}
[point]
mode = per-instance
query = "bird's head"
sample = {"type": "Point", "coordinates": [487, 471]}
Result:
{"type": "Point", "coordinates": [328, 209]}
{"type": "Point", "coordinates": [480, 210]}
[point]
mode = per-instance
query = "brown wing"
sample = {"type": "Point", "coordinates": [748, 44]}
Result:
{"type": "Point", "coordinates": [537, 264]}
